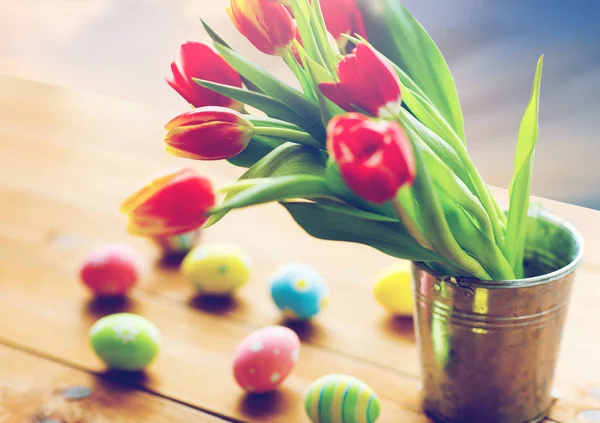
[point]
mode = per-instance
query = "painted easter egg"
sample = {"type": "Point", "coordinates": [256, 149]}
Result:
{"type": "Point", "coordinates": [340, 398]}
{"type": "Point", "coordinates": [217, 269]}
{"type": "Point", "coordinates": [265, 358]}
{"type": "Point", "coordinates": [299, 291]}
{"type": "Point", "coordinates": [393, 289]}
{"type": "Point", "coordinates": [125, 341]}
{"type": "Point", "coordinates": [111, 269]}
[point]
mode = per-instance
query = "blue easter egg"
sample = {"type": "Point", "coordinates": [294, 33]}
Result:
{"type": "Point", "coordinates": [299, 291]}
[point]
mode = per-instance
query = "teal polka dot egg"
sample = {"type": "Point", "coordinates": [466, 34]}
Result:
{"type": "Point", "coordinates": [299, 291]}
{"type": "Point", "coordinates": [125, 341]}
{"type": "Point", "coordinates": [341, 398]}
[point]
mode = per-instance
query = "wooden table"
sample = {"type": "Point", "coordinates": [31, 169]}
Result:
{"type": "Point", "coordinates": [67, 160]}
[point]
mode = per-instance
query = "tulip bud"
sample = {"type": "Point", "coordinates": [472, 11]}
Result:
{"type": "Point", "coordinates": [208, 133]}
{"type": "Point", "coordinates": [375, 158]}
{"type": "Point", "coordinates": [343, 17]}
{"type": "Point", "coordinates": [172, 203]}
{"type": "Point", "coordinates": [199, 61]}
{"type": "Point", "coordinates": [267, 24]}
{"type": "Point", "coordinates": [366, 81]}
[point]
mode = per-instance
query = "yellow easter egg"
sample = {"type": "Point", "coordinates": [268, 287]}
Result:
{"type": "Point", "coordinates": [217, 269]}
{"type": "Point", "coordinates": [393, 289]}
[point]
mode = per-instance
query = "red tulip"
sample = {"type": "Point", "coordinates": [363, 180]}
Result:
{"type": "Point", "coordinates": [208, 133]}
{"type": "Point", "coordinates": [173, 203]}
{"type": "Point", "coordinates": [198, 60]}
{"type": "Point", "coordinates": [366, 81]}
{"type": "Point", "coordinates": [267, 24]}
{"type": "Point", "coordinates": [374, 156]}
{"type": "Point", "coordinates": [343, 17]}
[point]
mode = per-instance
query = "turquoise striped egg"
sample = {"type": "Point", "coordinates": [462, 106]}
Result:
{"type": "Point", "coordinates": [341, 399]}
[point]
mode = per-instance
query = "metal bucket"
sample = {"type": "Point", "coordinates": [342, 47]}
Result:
{"type": "Point", "coordinates": [489, 349]}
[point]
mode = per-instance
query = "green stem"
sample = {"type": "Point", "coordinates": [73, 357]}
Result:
{"type": "Point", "coordinates": [436, 226]}
{"type": "Point", "coordinates": [288, 134]}
{"type": "Point", "coordinates": [410, 225]}
{"type": "Point", "coordinates": [299, 73]}
{"type": "Point", "coordinates": [241, 185]}
{"type": "Point", "coordinates": [484, 195]}
{"type": "Point", "coordinates": [300, 10]}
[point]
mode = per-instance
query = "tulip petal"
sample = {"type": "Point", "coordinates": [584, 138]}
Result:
{"type": "Point", "coordinates": [208, 141]}
{"type": "Point", "coordinates": [178, 83]}
{"type": "Point", "coordinates": [374, 156]}
{"type": "Point", "coordinates": [337, 93]}
{"type": "Point", "coordinates": [208, 114]}
{"type": "Point", "coordinates": [174, 202]}
{"type": "Point", "coordinates": [267, 25]}
{"type": "Point", "coordinates": [146, 192]}
{"type": "Point", "coordinates": [197, 60]}
{"type": "Point", "coordinates": [367, 82]}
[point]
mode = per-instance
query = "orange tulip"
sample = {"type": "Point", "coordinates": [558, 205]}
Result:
{"type": "Point", "coordinates": [267, 24]}
{"type": "Point", "coordinates": [173, 203]}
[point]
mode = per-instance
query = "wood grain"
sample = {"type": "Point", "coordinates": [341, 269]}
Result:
{"type": "Point", "coordinates": [33, 389]}
{"type": "Point", "coordinates": [67, 159]}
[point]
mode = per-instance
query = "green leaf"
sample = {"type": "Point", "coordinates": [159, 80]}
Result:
{"type": "Point", "coordinates": [474, 241]}
{"type": "Point", "coordinates": [330, 56]}
{"type": "Point", "coordinates": [438, 145]}
{"type": "Point", "coordinates": [301, 12]}
{"type": "Point", "coordinates": [424, 111]}
{"type": "Point", "coordinates": [398, 35]}
{"type": "Point", "coordinates": [390, 238]}
{"type": "Point", "coordinates": [520, 186]}
{"type": "Point", "coordinates": [270, 85]}
{"type": "Point", "coordinates": [216, 38]}
{"type": "Point", "coordinates": [286, 160]}
{"type": "Point", "coordinates": [342, 208]}
{"type": "Point", "coordinates": [258, 148]}
{"type": "Point", "coordinates": [271, 106]}
{"type": "Point", "coordinates": [277, 189]}
{"type": "Point", "coordinates": [301, 75]}
{"type": "Point", "coordinates": [436, 228]}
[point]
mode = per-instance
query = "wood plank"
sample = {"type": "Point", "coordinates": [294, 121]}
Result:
{"type": "Point", "coordinates": [34, 389]}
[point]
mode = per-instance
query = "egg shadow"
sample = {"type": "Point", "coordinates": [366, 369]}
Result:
{"type": "Point", "coordinates": [103, 306]}
{"type": "Point", "coordinates": [171, 260]}
{"type": "Point", "coordinates": [265, 406]}
{"type": "Point", "coordinates": [125, 379]}
{"type": "Point", "coordinates": [215, 304]}
{"type": "Point", "coordinates": [400, 327]}
{"type": "Point", "coordinates": [306, 330]}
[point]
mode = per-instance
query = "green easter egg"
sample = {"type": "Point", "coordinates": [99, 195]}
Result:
{"type": "Point", "coordinates": [337, 398]}
{"type": "Point", "coordinates": [125, 341]}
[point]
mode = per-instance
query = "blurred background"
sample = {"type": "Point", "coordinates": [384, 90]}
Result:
{"type": "Point", "coordinates": [123, 48]}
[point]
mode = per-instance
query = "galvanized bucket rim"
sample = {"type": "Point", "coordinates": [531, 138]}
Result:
{"type": "Point", "coordinates": [525, 282]}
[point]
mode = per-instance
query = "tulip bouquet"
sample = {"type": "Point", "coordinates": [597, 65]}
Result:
{"type": "Point", "coordinates": [370, 148]}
